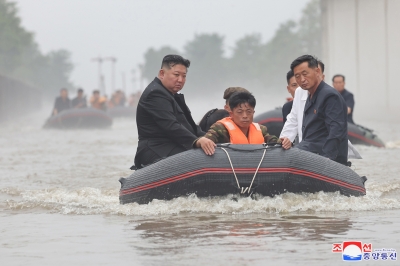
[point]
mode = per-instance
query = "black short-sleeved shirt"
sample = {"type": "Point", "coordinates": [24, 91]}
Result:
{"type": "Point", "coordinates": [286, 108]}
{"type": "Point", "coordinates": [349, 99]}
{"type": "Point", "coordinates": [62, 104]}
{"type": "Point", "coordinates": [325, 124]}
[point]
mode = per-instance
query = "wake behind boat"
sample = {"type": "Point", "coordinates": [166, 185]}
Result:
{"type": "Point", "coordinates": [244, 169]}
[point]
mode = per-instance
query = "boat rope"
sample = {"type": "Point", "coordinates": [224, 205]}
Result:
{"type": "Point", "coordinates": [244, 189]}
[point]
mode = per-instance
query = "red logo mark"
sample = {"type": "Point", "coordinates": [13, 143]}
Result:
{"type": "Point", "coordinates": [367, 247]}
{"type": "Point", "coordinates": [357, 244]}
{"type": "Point", "coordinates": [337, 247]}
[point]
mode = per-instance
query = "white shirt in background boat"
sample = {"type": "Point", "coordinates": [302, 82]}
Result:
{"type": "Point", "coordinates": [294, 122]}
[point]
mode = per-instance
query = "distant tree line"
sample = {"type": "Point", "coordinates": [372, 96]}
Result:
{"type": "Point", "coordinates": [21, 58]}
{"type": "Point", "coordinates": [253, 64]}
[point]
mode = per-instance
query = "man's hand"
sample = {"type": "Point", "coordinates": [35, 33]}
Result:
{"type": "Point", "coordinates": [286, 143]}
{"type": "Point", "coordinates": [207, 145]}
{"type": "Point", "coordinates": [348, 110]}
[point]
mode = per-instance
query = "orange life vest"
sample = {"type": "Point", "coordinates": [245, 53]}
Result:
{"type": "Point", "coordinates": [237, 136]}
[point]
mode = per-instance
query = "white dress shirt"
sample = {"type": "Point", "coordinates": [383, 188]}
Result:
{"type": "Point", "coordinates": [294, 122]}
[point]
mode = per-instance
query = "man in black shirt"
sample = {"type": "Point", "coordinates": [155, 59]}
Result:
{"type": "Point", "coordinates": [291, 87]}
{"type": "Point", "coordinates": [79, 101]}
{"type": "Point", "coordinates": [164, 122]}
{"type": "Point", "coordinates": [62, 102]}
{"type": "Point", "coordinates": [338, 84]}
{"type": "Point", "coordinates": [325, 113]}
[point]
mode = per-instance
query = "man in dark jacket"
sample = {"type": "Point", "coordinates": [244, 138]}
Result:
{"type": "Point", "coordinates": [325, 113]}
{"type": "Point", "coordinates": [165, 124]}
{"type": "Point", "coordinates": [338, 84]}
{"type": "Point", "coordinates": [61, 103]}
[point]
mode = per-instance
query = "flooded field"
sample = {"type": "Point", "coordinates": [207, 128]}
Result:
{"type": "Point", "coordinates": [59, 205]}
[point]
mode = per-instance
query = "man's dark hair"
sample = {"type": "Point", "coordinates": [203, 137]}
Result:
{"type": "Point", "coordinates": [338, 75]}
{"type": "Point", "coordinates": [173, 59]}
{"type": "Point", "coordinates": [311, 60]}
{"type": "Point", "coordinates": [96, 91]}
{"type": "Point", "coordinates": [239, 98]}
{"type": "Point", "coordinates": [289, 75]}
{"type": "Point", "coordinates": [80, 90]}
{"type": "Point", "coordinates": [322, 66]}
{"type": "Point", "coordinates": [63, 89]}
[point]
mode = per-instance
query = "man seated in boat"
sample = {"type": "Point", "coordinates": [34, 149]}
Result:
{"type": "Point", "coordinates": [238, 128]}
{"type": "Point", "coordinates": [164, 122]}
{"type": "Point", "coordinates": [216, 114]}
{"type": "Point", "coordinates": [117, 99]}
{"type": "Point", "coordinates": [97, 101]}
{"type": "Point", "coordinates": [61, 103]}
{"type": "Point", "coordinates": [79, 101]}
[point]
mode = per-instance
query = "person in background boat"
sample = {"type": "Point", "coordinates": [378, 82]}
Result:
{"type": "Point", "coordinates": [338, 82]}
{"type": "Point", "coordinates": [238, 128]}
{"type": "Point", "coordinates": [117, 99]}
{"type": "Point", "coordinates": [164, 122]}
{"type": "Point", "coordinates": [62, 102]}
{"type": "Point", "coordinates": [134, 99]}
{"type": "Point", "coordinates": [216, 114]}
{"type": "Point", "coordinates": [291, 87]}
{"type": "Point", "coordinates": [97, 101]}
{"type": "Point", "coordinates": [325, 113]}
{"type": "Point", "coordinates": [79, 101]}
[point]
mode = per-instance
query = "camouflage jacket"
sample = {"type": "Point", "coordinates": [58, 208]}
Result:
{"type": "Point", "coordinates": [219, 134]}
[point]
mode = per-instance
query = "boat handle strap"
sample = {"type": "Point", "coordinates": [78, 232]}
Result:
{"type": "Point", "coordinates": [244, 189]}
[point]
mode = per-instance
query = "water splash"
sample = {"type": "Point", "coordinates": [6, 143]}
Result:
{"type": "Point", "coordinates": [393, 144]}
{"type": "Point", "coordinates": [95, 201]}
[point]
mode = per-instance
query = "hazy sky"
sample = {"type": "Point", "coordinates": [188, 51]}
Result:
{"type": "Point", "coordinates": [127, 28]}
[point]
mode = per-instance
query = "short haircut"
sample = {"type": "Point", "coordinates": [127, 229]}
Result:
{"type": "Point", "coordinates": [173, 59]}
{"type": "Point", "coordinates": [80, 90]}
{"type": "Point", "coordinates": [311, 60]}
{"type": "Point", "coordinates": [231, 90]}
{"type": "Point", "coordinates": [289, 75]}
{"type": "Point", "coordinates": [96, 91]}
{"type": "Point", "coordinates": [63, 89]}
{"type": "Point", "coordinates": [338, 75]}
{"type": "Point", "coordinates": [322, 65]}
{"type": "Point", "coordinates": [239, 98]}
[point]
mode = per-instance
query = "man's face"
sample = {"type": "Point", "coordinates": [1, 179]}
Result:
{"type": "Point", "coordinates": [174, 78]}
{"type": "Point", "coordinates": [292, 86]}
{"type": "Point", "coordinates": [242, 115]}
{"type": "Point", "coordinates": [96, 95]}
{"type": "Point", "coordinates": [80, 94]}
{"type": "Point", "coordinates": [338, 84]}
{"type": "Point", "coordinates": [64, 94]}
{"type": "Point", "coordinates": [307, 78]}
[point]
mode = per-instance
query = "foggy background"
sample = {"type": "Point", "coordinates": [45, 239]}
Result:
{"type": "Point", "coordinates": [49, 44]}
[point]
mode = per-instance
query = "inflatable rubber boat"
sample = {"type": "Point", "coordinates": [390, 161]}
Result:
{"type": "Point", "coordinates": [273, 120]}
{"type": "Point", "coordinates": [79, 118]}
{"type": "Point", "coordinates": [239, 169]}
{"type": "Point", "coordinates": [122, 111]}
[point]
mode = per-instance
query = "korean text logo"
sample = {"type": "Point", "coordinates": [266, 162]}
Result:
{"type": "Point", "coordinates": [357, 251]}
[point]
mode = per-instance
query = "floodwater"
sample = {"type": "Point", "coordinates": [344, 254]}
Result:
{"type": "Point", "coordinates": [59, 206]}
